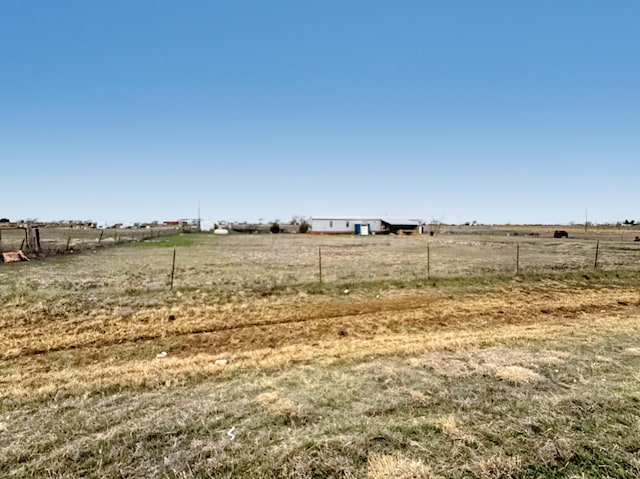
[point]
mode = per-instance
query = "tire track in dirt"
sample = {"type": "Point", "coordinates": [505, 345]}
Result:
{"type": "Point", "coordinates": [336, 311]}
{"type": "Point", "coordinates": [367, 318]}
{"type": "Point", "coordinates": [370, 324]}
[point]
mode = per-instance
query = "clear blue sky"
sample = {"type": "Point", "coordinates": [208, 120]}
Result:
{"type": "Point", "coordinates": [495, 111]}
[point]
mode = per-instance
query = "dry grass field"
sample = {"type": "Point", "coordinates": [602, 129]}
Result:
{"type": "Point", "coordinates": [417, 357]}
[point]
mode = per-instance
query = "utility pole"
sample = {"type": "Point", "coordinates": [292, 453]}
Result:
{"type": "Point", "coordinates": [586, 222]}
{"type": "Point", "coordinates": [199, 224]}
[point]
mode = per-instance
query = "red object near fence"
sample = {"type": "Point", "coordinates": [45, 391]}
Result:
{"type": "Point", "coordinates": [14, 257]}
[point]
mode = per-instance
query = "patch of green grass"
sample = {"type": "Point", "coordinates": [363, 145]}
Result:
{"type": "Point", "coordinates": [59, 260]}
{"type": "Point", "coordinates": [181, 240]}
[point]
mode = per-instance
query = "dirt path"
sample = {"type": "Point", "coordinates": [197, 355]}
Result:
{"type": "Point", "coordinates": [90, 352]}
{"type": "Point", "coordinates": [284, 321]}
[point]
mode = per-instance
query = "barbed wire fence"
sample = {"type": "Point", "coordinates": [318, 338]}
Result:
{"type": "Point", "coordinates": [40, 242]}
{"type": "Point", "coordinates": [266, 262]}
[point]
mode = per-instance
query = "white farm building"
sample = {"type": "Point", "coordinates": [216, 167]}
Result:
{"type": "Point", "coordinates": [364, 226]}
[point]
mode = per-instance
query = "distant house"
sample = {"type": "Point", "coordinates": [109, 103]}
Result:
{"type": "Point", "coordinates": [364, 226]}
{"type": "Point", "coordinates": [334, 225]}
{"type": "Point", "coordinates": [207, 225]}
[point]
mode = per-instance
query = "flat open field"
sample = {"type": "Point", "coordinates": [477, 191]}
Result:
{"type": "Point", "coordinates": [417, 357]}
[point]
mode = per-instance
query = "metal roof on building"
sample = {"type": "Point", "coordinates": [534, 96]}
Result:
{"type": "Point", "coordinates": [391, 221]}
{"type": "Point", "coordinates": [401, 222]}
{"type": "Point", "coordinates": [339, 218]}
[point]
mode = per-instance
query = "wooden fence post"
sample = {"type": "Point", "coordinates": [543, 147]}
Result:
{"type": "Point", "coordinates": [30, 239]}
{"type": "Point", "coordinates": [595, 263]}
{"type": "Point", "coordinates": [100, 239]}
{"type": "Point", "coordinates": [173, 267]}
{"type": "Point", "coordinates": [320, 264]}
{"type": "Point", "coordinates": [517, 259]}
{"type": "Point", "coordinates": [428, 262]}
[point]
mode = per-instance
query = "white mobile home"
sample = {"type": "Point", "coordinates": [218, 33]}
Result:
{"type": "Point", "coordinates": [364, 226]}
{"type": "Point", "coordinates": [334, 225]}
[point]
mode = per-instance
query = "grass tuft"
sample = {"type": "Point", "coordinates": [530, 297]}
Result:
{"type": "Point", "coordinates": [518, 375]}
{"type": "Point", "coordinates": [397, 466]}
{"type": "Point", "coordinates": [498, 467]}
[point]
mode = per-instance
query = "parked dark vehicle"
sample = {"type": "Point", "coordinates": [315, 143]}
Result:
{"type": "Point", "coordinates": [560, 234]}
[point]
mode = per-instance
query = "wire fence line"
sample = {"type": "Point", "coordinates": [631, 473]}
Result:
{"type": "Point", "coordinates": [41, 242]}
{"type": "Point", "coordinates": [262, 262]}
{"type": "Point", "coordinates": [148, 265]}
{"type": "Point", "coordinates": [471, 257]}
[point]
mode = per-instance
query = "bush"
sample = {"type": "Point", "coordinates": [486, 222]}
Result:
{"type": "Point", "coordinates": [304, 227]}
{"type": "Point", "coordinates": [275, 227]}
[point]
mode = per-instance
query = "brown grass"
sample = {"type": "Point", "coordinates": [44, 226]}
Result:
{"type": "Point", "coordinates": [453, 427]}
{"type": "Point", "coordinates": [397, 466]}
{"type": "Point", "coordinates": [92, 352]}
{"type": "Point", "coordinates": [278, 405]}
{"type": "Point", "coordinates": [518, 375]}
{"type": "Point", "coordinates": [498, 467]}
{"type": "Point", "coordinates": [460, 379]}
